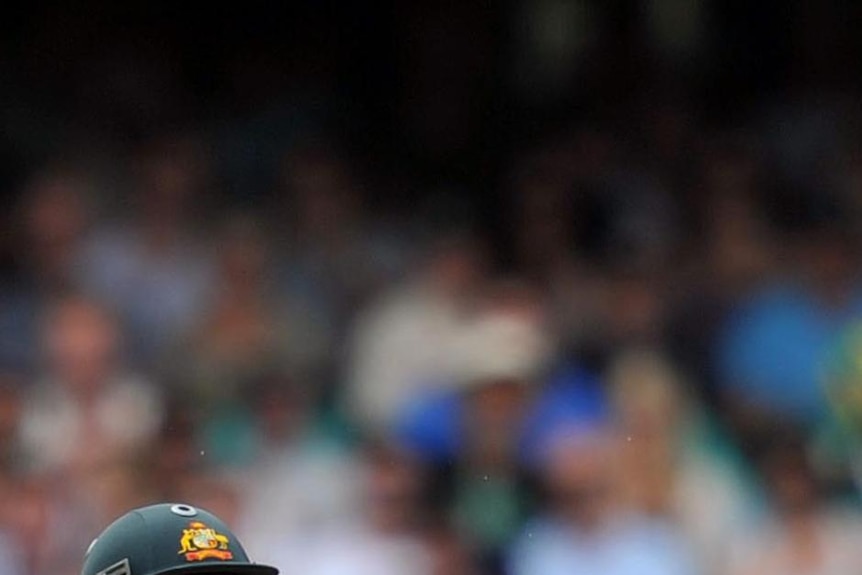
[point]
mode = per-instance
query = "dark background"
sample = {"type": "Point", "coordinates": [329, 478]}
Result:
{"type": "Point", "coordinates": [426, 90]}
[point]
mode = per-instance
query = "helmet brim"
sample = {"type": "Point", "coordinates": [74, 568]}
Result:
{"type": "Point", "coordinates": [222, 567]}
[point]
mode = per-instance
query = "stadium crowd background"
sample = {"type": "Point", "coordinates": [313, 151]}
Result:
{"type": "Point", "coordinates": [525, 287]}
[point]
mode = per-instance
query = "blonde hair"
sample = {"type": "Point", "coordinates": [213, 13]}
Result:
{"type": "Point", "coordinates": [645, 379]}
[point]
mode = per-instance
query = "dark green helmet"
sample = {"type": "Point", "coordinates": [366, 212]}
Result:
{"type": "Point", "coordinates": [169, 539]}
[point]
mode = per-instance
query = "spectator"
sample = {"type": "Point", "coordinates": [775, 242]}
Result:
{"type": "Point", "coordinates": [295, 479]}
{"type": "Point", "coordinates": [11, 390]}
{"type": "Point", "coordinates": [331, 255]}
{"type": "Point", "coordinates": [53, 217]}
{"type": "Point", "coordinates": [804, 533]}
{"type": "Point", "coordinates": [479, 436]}
{"type": "Point", "coordinates": [82, 424]}
{"type": "Point", "coordinates": [155, 269]}
{"type": "Point", "coordinates": [12, 559]}
{"type": "Point", "coordinates": [246, 328]}
{"type": "Point", "coordinates": [676, 463]}
{"type": "Point", "coordinates": [87, 408]}
{"type": "Point", "coordinates": [388, 537]}
{"type": "Point", "coordinates": [450, 553]}
{"type": "Point", "coordinates": [12, 556]}
{"type": "Point", "coordinates": [731, 252]}
{"type": "Point", "coordinates": [770, 352]}
{"type": "Point", "coordinates": [585, 527]}
{"type": "Point", "coordinates": [401, 345]}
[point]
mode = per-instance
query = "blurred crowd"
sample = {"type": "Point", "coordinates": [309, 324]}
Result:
{"type": "Point", "coordinates": [362, 394]}
{"type": "Point", "coordinates": [637, 351]}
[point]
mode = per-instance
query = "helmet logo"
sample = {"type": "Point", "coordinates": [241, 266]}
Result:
{"type": "Point", "coordinates": [200, 541]}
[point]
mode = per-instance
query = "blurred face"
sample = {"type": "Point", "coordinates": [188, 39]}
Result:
{"type": "Point", "coordinates": [635, 311]}
{"type": "Point", "coordinates": [210, 492]}
{"type": "Point", "coordinates": [498, 403]}
{"type": "Point", "coordinates": [170, 175]}
{"type": "Point", "coordinates": [644, 420]}
{"type": "Point", "coordinates": [177, 450]}
{"type": "Point", "coordinates": [243, 257]}
{"type": "Point", "coordinates": [790, 482]}
{"type": "Point", "coordinates": [282, 411]}
{"type": "Point", "coordinates": [326, 203]}
{"type": "Point", "coordinates": [55, 213]}
{"type": "Point", "coordinates": [81, 342]}
{"type": "Point", "coordinates": [450, 555]}
{"type": "Point", "coordinates": [579, 476]}
{"type": "Point", "coordinates": [456, 269]}
{"type": "Point", "coordinates": [544, 227]}
{"type": "Point", "coordinates": [648, 406]}
{"type": "Point", "coordinates": [171, 180]}
{"type": "Point", "coordinates": [10, 408]}
{"type": "Point", "coordinates": [118, 486]}
{"type": "Point", "coordinates": [54, 219]}
{"type": "Point", "coordinates": [495, 413]}
{"type": "Point", "coordinates": [394, 484]}
{"type": "Point", "coordinates": [830, 262]}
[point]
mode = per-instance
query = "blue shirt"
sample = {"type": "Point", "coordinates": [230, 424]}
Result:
{"type": "Point", "coordinates": [433, 426]}
{"type": "Point", "coordinates": [772, 348]}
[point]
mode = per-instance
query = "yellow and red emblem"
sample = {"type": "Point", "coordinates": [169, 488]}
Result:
{"type": "Point", "coordinates": [200, 541]}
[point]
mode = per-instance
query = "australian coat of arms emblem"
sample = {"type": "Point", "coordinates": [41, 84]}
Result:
{"type": "Point", "coordinates": [200, 541]}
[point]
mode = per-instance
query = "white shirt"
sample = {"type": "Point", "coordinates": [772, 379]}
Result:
{"type": "Point", "coordinates": [358, 551]}
{"type": "Point", "coordinates": [127, 413]}
{"type": "Point", "coordinates": [400, 346]}
{"type": "Point", "coordinates": [624, 546]}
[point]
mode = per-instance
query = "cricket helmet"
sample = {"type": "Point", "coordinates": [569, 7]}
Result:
{"type": "Point", "coordinates": [169, 539]}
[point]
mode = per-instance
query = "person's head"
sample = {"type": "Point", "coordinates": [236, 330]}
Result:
{"type": "Point", "coordinates": [177, 447]}
{"type": "Point", "coordinates": [650, 411]}
{"type": "Point", "coordinates": [318, 188]}
{"type": "Point", "coordinates": [820, 229]}
{"type": "Point", "coordinates": [829, 255]}
{"type": "Point", "coordinates": [209, 487]}
{"type": "Point", "coordinates": [646, 393]}
{"type": "Point", "coordinates": [577, 465]}
{"type": "Point", "coordinates": [451, 256]}
{"type": "Point", "coordinates": [81, 341]}
{"type": "Point", "coordinates": [169, 539]}
{"type": "Point", "coordinates": [170, 171]}
{"type": "Point", "coordinates": [788, 475]}
{"type": "Point", "coordinates": [452, 264]}
{"type": "Point", "coordinates": [243, 253]}
{"type": "Point", "coordinates": [502, 357]}
{"type": "Point", "coordinates": [116, 484]}
{"type": "Point", "coordinates": [283, 406]}
{"type": "Point", "coordinates": [10, 409]}
{"type": "Point", "coordinates": [394, 484]}
{"type": "Point", "coordinates": [54, 214]}
{"type": "Point", "coordinates": [636, 305]}
{"type": "Point", "coordinates": [542, 216]}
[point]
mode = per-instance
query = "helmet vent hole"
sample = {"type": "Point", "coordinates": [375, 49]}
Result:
{"type": "Point", "coordinates": [184, 510]}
